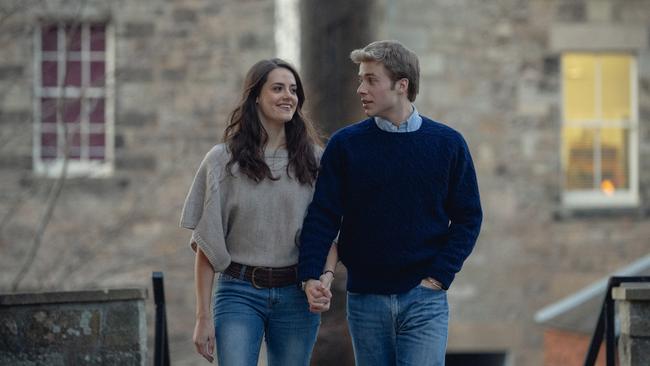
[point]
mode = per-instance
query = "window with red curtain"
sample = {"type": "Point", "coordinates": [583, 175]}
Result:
{"type": "Point", "coordinates": [72, 97]}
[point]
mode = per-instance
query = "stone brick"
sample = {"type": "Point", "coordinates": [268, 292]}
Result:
{"type": "Point", "coordinates": [174, 74]}
{"type": "Point", "coordinates": [136, 119]}
{"type": "Point", "coordinates": [634, 318]}
{"type": "Point", "coordinates": [634, 351]}
{"type": "Point", "coordinates": [184, 15]}
{"type": "Point", "coordinates": [73, 328]}
{"type": "Point", "coordinates": [15, 162]}
{"type": "Point", "coordinates": [15, 116]}
{"type": "Point", "coordinates": [137, 30]}
{"type": "Point", "coordinates": [134, 75]}
{"type": "Point", "coordinates": [572, 11]}
{"type": "Point", "coordinates": [10, 72]}
{"type": "Point", "coordinates": [147, 163]}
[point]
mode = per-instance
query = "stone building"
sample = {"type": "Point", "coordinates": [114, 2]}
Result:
{"type": "Point", "coordinates": [553, 97]}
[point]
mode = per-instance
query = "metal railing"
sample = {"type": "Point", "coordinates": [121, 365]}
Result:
{"type": "Point", "coordinates": [161, 346]}
{"type": "Point", "coordinates": [605, 326]}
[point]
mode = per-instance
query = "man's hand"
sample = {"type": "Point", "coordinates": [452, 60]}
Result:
{"type": "Point", "coordinates": [204, 337]}
{"type": "Point", "coordinates": [319, 296]}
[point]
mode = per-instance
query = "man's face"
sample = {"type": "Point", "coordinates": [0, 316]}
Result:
{"type": "Point", "coordinates": [379, 97]}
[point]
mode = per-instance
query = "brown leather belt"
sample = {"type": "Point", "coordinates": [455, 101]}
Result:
{"type": "Point", "coordinates": [264, 277]}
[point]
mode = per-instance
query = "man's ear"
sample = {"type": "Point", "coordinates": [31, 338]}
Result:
{"type": "Point", "coordinates": [403, 85]}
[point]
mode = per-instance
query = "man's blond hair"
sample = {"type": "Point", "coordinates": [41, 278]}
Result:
{"type": "Point", "coordinates": [400, 62]}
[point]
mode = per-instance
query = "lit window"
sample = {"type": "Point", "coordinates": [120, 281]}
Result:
{"type": "Point", "coordinates": [73, 99]}
{"type": "Point", "coordinates": [599, 146]}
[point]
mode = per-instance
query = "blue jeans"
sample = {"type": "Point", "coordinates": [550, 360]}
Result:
{"type": "Point", "coordinates": [402, 329]}
{"type": "Point", "coordinates": [243, 314]}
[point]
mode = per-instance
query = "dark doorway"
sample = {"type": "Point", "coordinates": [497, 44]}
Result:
{"type": "Point", "coordinates": [476, 359]}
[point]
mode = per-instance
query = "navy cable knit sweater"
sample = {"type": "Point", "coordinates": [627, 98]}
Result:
{"type": "Point", "coordinates": [407, 206]}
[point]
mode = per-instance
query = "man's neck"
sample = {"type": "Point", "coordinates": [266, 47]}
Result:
{"type": "Point", "coordinates": [400, 113]}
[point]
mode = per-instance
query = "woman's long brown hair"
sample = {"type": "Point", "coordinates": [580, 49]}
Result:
{"type": "Point", "coordinates": [245, 136]}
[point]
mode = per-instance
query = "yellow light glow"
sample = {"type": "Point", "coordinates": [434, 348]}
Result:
{"type": "Point", "coordinates": [607, 186]}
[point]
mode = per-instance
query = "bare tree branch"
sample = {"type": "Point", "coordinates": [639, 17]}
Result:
{"type": "Point", "coordinates": [56, 189]}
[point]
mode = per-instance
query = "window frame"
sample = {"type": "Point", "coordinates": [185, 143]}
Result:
{"type": "Point", "coordinates": [594, 198]}
{"type": "Point", "coordinates": [82, 166]}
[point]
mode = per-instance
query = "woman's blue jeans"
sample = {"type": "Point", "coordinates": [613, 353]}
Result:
{"type": "Point", "coordinates": [403, 329]}
{"type": "Point", "coordinates": [243, 314]}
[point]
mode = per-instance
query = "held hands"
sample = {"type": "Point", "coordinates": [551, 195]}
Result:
{"type": "Point", "coordinates": [318, 295]}
{"type": "Point", "coordinates": [204, 337]}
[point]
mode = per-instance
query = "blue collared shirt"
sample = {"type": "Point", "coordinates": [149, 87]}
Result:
{"type": "Point", "coordinates": [411, 124]}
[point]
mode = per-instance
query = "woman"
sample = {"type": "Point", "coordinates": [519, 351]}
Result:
{"type": "Point", "coordinates": [246, 207]}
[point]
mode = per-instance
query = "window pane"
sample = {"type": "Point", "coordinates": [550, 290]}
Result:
{"type": "Point", "coordinates": [48, 145]}
{"type": "Point", "coordinates": [48, 153]}
{"type": "Point", "coordinates": [49, 37]}
{"type": "Point", "coordinates": [97, 37]}
{"type": "Point", "coordinates": [73, 37]}
{"type": "Point", "coordinates": [74, 145]}
{"type": "Point", "coordinates": [49, 73]}
{"type": "Point", "coordinates": [97, 145]}
{"type": "Point", "coordinates": [579, 87]}
{"type": "Point", "coordinates": [73, 73]}
{"type": "Point", "coordinates": [578, 157]}
{"type": "Point", "coordinates": [71, 110]}
{"type": "Point", "coordinates": [48, 110]}
{"type": "Point", "coordinates": [614, 159]}
{"type": "Point", "coordinates": [616, 87]}
{"type": "Point", "coordinates": [48, 139]}
{"type": "Point", "coordinates": [96, 107]}
{"type": "Point", "coordinates": [97, 73]}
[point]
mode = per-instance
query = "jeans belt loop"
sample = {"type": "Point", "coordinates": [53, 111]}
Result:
{"type": "Point", "coordinates": [242, 272]}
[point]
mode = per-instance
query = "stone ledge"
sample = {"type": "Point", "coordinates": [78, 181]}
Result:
{"type": "Point", "coordinates": [73, 296]}
{"type": "Point", "coordinates": [632, 292]}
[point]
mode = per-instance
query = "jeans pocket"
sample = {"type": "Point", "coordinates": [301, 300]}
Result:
{"type": "Point", "coordinates": [227, 277]}
{"type": "Point", "coordinates": [427, 288]}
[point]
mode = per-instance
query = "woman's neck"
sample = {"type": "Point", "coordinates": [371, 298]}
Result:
{"type": "Point", "coordinates": [276, 136]}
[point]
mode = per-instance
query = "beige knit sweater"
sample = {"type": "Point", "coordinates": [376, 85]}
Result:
{"type": "Point", "coordinates": [235, 219]}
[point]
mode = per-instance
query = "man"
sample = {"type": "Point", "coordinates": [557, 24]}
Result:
{"type": "Point", "coordinates": [402, 190]}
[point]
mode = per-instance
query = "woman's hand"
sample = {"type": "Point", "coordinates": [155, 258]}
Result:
{"type": "Point", "coordinates": [326, 279]}
{"type": "Point", "coordinates": [318, 296]}
{"type": "Point", "coordinates": [204, 337]}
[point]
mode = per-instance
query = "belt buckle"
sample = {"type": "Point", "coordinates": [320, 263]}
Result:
{"type": "Point", "coordinates": [255, 285]}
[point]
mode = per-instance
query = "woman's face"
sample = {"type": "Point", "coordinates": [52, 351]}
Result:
{"type": "Point", "coordinates": [278, 98]}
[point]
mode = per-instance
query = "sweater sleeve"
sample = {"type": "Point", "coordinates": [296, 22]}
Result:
{"type": "Point", "coordinates": [323, 220]}
{"type": "Point", "coordinates": [464, 208]}
{"type": "Point", "coordinates": [202, 213]}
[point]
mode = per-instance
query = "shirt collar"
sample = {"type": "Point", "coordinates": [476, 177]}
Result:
{"type": "Point", "coordinates": [412, 123]}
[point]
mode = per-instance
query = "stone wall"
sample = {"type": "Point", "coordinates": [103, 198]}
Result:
{"type": "Point", "coordinates": [633, 314]}
{"type": "Point", "coordinates": [74, 328]}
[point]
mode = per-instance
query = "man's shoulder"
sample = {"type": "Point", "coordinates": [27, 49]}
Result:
{"type": "Point", "coordinates": [441, 130]}
{"type": "Point", "coordinates": [354, 129]}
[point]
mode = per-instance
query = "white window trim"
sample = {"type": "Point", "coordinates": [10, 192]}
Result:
{"type": "Point", "coordinates": [593, 199]}
{"type": "Point", "coordinates": [77, 167]}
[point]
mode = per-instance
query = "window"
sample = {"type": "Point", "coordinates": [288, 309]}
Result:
{"type": "Point", "coordinates": [73, 114]}
{"type": "Point", "coordinates": [599, 133]}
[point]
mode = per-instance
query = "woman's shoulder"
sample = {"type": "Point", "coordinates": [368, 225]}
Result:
{"type": "Point", "coordinates": [218, 153]}
{"type": "Point", "coordinates": [318, 150]}
{"type": "Point", "coordinates": [216, 159]}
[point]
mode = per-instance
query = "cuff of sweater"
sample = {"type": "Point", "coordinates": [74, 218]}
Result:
{"type": "Point", "coordinates": [305, 273]}
{"type": "Point", "coordinates": [444, 277]}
